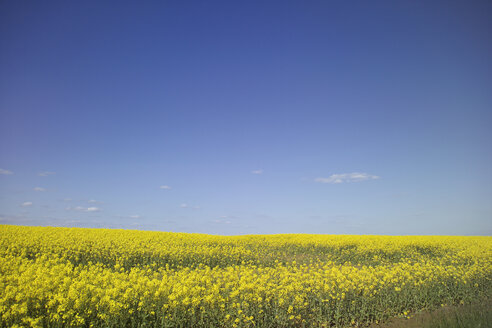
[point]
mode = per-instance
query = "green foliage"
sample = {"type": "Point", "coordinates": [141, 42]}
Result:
{"type": "Point", "coordinates": [476, 315]}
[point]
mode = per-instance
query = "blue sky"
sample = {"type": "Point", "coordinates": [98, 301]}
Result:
{"type": "Point", "coordinates": [240, 117]}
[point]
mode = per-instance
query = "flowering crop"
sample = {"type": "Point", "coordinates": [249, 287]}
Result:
{"type": "Point", "coordinates": [72, 277]}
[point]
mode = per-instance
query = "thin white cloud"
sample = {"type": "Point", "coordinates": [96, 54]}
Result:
{"type": "Point", "coordinates": [260, 171]}
{"type": "Point", "coordinates": [45, 174]}
{"type": "Point", "coordinates": [185, 205]}
{"type": "Point", "coordinates": [222, 222]}
{"type": "Point", "coordinates": [39, 189]}
{"type": "Point", "coordinates": [83, 209]}
{"type": "Point", "coordinates": [347, 177]}
{"type": "Point", "coordinates": [26, 204]}
{"type": "Point", "coordinates": [93, 201]}
{"type": "Point", "coordinates": [6, 172]}
{"type": "Point", "coordinates": [135, 216]}
{"type": "Point", "coordinates": [165, 187]}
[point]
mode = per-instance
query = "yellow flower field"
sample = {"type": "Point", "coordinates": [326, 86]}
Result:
{"type": "Point", "coordinates": [73, 277]}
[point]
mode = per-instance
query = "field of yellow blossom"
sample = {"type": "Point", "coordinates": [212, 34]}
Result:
{"type": "Point", "coordinates": [73, 277]}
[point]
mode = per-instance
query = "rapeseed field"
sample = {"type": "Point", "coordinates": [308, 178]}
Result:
{"type": "Point", "coordinates": [74, 277]}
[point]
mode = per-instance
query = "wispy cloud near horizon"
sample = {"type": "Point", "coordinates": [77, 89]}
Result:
{"type": "Point", "coordinates": [221, 221]}
{"type": "Point", "coordinates": [6, 172]}
{"type": "Point", "coordinates": [83, 209]}
{"type": "Point", "coordinates": [165, 187]}
{"type": "Point", "coordinates": [39, 189]}
{"type": "Point", "coordinates": [185, 205]}
{"type": "Point", "coordinates": [259, 171]}
{"type": "Point", "coordinates": [347, 177]}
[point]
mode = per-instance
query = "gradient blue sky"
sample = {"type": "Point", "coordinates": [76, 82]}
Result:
{"type": "Point", "coordinates": [353, 117]}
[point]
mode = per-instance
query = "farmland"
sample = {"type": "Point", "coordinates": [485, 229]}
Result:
{"type": "Point", "coordinates": [73, 277]}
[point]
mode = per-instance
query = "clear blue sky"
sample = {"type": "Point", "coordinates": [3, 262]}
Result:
{"type": "Point", "coordinates": [234, 117]}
